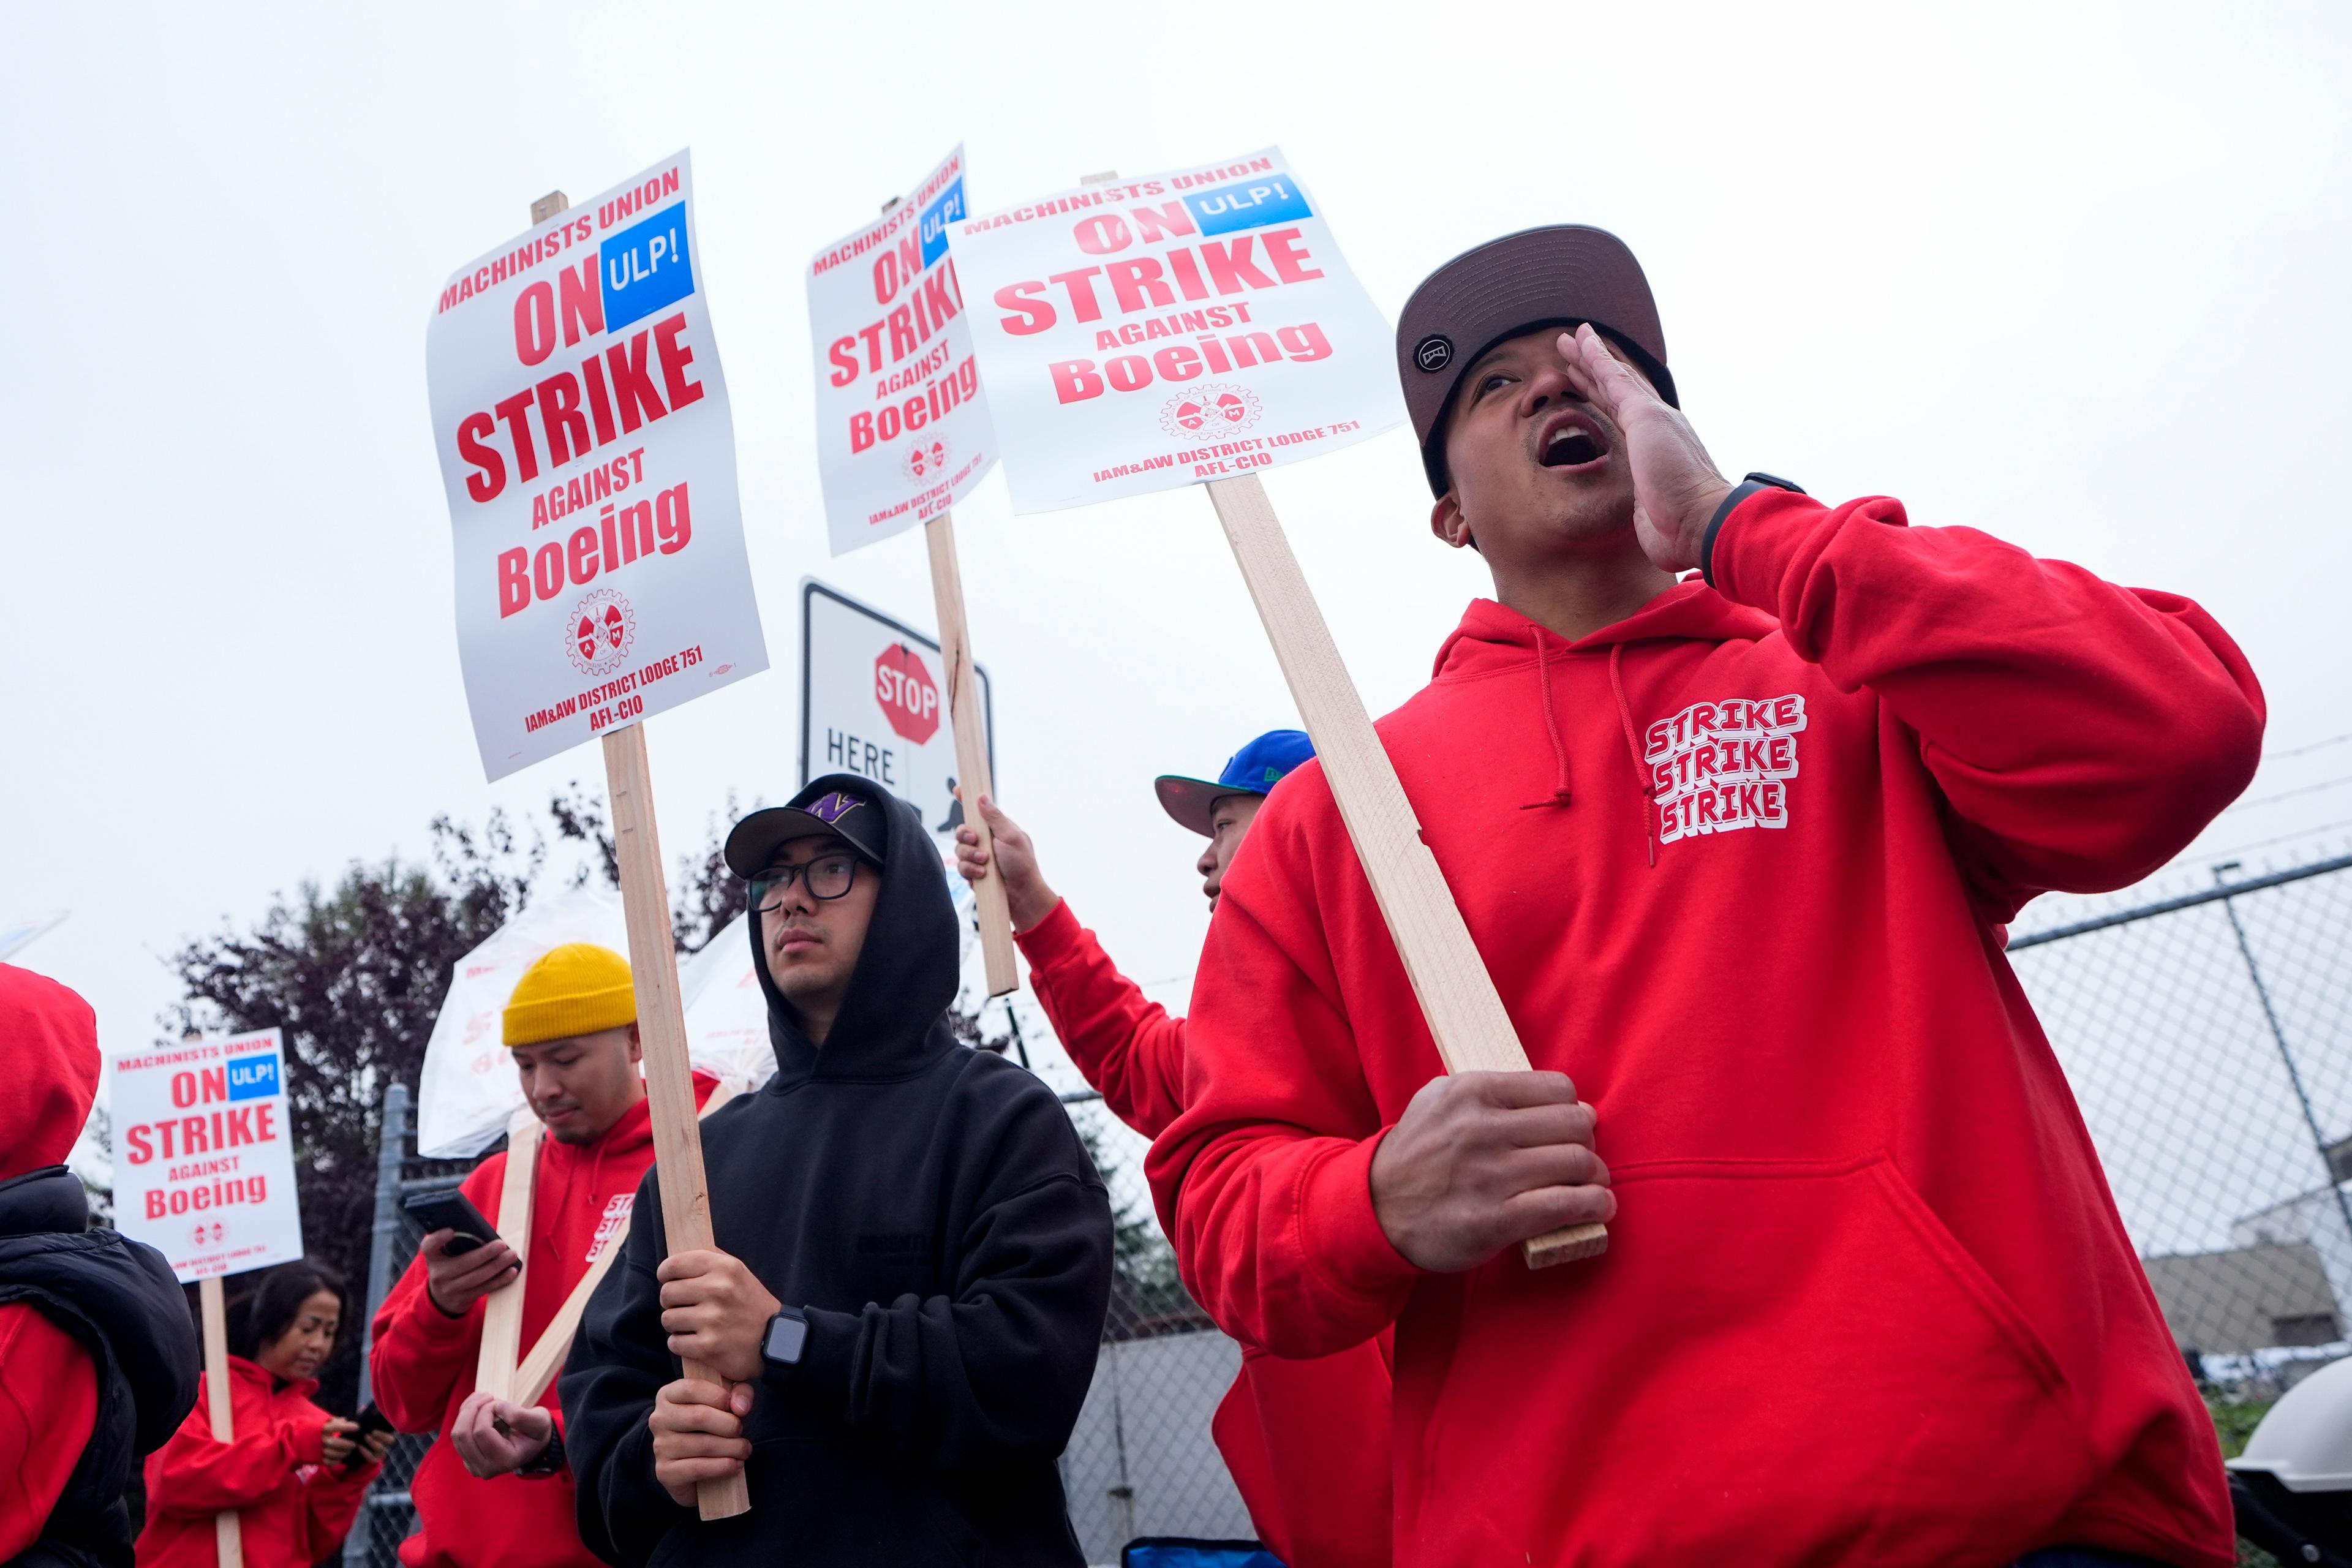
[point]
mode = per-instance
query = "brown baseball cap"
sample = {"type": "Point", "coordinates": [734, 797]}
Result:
{"type": "Point", "coordinates": [1566, 273]}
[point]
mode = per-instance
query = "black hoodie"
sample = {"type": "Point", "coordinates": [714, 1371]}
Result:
{"type": "Point", "coordinates": [933, 1210]}
{"type": "Point", "coordinates": [119, 1299]}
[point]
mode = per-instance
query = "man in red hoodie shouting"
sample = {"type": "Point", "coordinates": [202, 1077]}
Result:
{"type": "Point", "coordinates": [1738, 849]}
{"type": "Point", "coordinates": [494, 1492]}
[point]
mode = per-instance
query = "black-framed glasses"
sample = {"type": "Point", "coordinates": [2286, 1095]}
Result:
{"type": "Point", "coordinates": [829, 877]}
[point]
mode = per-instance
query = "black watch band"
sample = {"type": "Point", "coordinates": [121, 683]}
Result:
{"type": "Point", "coordinates": [549, 1460]}
{"type": "Point", "coordinates": [1749, 485]}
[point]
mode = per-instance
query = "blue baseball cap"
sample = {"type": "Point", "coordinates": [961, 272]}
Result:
{"type": "Point", "coordinates": [1255, 769]}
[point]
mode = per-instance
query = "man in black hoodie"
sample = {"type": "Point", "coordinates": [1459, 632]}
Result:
{"type": "Point", "coordinates": [98, 1357]}
{"type": "Point", "coordinates": [913, 1261]}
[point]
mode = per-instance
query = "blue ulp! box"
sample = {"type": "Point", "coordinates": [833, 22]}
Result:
{"type": "Point", "coordinates": [947, 209]}
{"type": "Point", "coordinates": [1248, 203]}
{"type": "Point", "coordinates": [253, 1077]}
{"type": "Point", "coordinates": [646, 267]}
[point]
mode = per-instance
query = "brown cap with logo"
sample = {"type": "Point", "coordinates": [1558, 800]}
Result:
{"type": "Point", "coordinates": [1565, 274]}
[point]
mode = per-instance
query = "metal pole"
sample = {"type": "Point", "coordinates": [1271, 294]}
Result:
{"type": "Point", "coordinates": [392, 1144]}
{"type": "Point", "coordinates": [1020, 1042]}
{"type": "Point", "coordinates": [2278, 1034]}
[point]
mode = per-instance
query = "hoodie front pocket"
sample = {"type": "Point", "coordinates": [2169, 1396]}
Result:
{"type": "Point", "coordinates": [1776, 1361]}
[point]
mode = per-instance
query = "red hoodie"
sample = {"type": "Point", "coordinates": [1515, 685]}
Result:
{"type": "Point", "coordinates": [1305, 1441]}
{"type": "Point", "coordinates": [292, 1509]}
{"type": "Point", "coordinates": [1740, 865]}
{"type": "Point", "coordinates": [49, 1386]}
{"type": "Point", "coordinates": [421, 1366]}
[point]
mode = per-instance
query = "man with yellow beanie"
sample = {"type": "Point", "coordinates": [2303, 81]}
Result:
{"type": "Point", "coordinates": [494, 1489]}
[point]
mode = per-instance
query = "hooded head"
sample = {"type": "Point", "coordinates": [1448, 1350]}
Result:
{"type": "Point", "coordinates": [50, 1037]}
{"type": "Point", "coordinates": [893, 1015]}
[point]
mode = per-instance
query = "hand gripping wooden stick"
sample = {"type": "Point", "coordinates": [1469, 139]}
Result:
{"type": "Point", "coordinates": [1466, 1016]}
{"type": "Point", "coordinates": [545, 1362]}
{"type": "Point", "coordinates": [661, 1029]}
{"type": "Point", "coordinates": [661, 1015]}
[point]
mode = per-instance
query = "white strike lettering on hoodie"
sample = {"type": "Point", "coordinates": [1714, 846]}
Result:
{"type": "Point", "coordinates": [616, 1214]}
{"type": "Point", "coordinates": [1724, 764]}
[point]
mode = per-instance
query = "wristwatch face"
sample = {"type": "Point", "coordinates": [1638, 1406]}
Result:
{"type": "Point", "coordinates": [786, 1336]}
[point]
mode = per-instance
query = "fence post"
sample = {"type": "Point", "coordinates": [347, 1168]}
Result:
{"type": "Point", "coordinates": [392, 1144]}
{"type": "Point", "coordinates": [2278, 1034]}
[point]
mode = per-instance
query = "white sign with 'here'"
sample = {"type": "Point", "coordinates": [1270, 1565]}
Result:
{"type": "Point", "coordinates": [874, 702]}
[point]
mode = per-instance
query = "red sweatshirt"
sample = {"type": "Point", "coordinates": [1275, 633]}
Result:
{"type": "Point", "coordinates": [421, 1367]}
{"type": "Point", "coordinates": [49, 1407]}
{"type": "Point", "coordinates": [1740, 866]}
{"type": "Point", "coordinates": [49, 1386]}
{"type": "Point", "coordinates": [1305, 1441]}
{"type": "Point", "coordinates": [292, 1510]}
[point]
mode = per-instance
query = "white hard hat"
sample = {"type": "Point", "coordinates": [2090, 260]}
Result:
{"type": "Point", "coordinates": [2307, 1440]}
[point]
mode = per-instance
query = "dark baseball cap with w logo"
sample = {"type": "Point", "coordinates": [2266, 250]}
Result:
{"type": "Point", "coordinates": [839, 805]}
{"type": "Point", "coordinates": [1559, 275]}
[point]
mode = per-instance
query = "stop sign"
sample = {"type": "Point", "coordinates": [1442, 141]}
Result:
{"type": "Point", "coordinates": [910, 699]}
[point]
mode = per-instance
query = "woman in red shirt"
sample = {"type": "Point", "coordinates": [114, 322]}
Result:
{"type": "Point", "coordinates": [294, 1474]}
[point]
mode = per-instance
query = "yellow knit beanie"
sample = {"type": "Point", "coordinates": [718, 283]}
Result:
{"type": "Point", "coordinates": [577, 989]}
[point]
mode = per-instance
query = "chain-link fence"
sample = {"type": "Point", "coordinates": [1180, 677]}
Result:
{"type": "Point", "coordinates": [2207, 1037]}
{"type": "Point", "coordinates": [388, 1517]}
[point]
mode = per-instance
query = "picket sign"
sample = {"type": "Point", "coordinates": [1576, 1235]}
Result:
{"type": "Point", "coordinates": [228, 1531]}
{"type": "Point", "coordinates": [546, 1358]}
{"type": "Point", "coordinates": [994, 908]}
{"type": "Point", "coordinates": [661, 1016]}
{"type": "Point", "coordinates": [1466, 1017]}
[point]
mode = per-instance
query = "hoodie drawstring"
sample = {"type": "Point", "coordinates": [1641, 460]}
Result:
{"type": "Point", "coordinates": [1560, 795]}
{"type": "Point", "coordinates": [1633, 749]}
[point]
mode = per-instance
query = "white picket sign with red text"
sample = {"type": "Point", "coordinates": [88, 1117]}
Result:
{"type": "Point", "coordinates": [589, 456]}
{"type": "Point", "coordinates": [1141, 334]}
{"type": "Point", "coordinates": [902, 430]}
{"type": "Point", "coordinates": [204, 1154]}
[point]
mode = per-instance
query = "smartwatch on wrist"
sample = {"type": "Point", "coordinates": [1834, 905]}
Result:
{"type": "Point", "coordinates": [786, 1338]}
{"type": "Point", "coordinates": [1748, 486]}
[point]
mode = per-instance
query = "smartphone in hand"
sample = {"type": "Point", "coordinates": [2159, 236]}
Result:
{"type": "Point", "coordinates": [451, 1210]}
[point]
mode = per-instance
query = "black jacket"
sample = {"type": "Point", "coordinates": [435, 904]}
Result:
{"type": "Point", "coordinates": [119, 1299]}
{"type": "Point", "coordinates": [932, 1209]}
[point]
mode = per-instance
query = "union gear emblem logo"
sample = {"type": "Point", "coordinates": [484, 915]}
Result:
{"type": "Point", "coordinates": [599, 632]}
{"type": "Point", "coordinates": [1212, 410]}
{"type": "Point", "coordinates": [924, 461]}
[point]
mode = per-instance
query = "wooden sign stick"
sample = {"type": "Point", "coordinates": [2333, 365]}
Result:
{"type": "Point", "coordinates": [494, 1368]}
{"type": "Point", "coordinates": [972, 777]}
{"type": "Point", "coordinates": [971, 750]}
{"type": "Point", "coordinates": [1465, 1015]}
{"type": "Point", "coordinates": [661, 1015]}
{"type": "Point", "coordinates": [546, 1358]}
{"type": "Point", "coordinates": [661, 1027]}
{"type": "Point", "coordinates": [228, 1531]}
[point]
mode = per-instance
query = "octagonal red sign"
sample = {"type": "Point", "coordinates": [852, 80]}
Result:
{"type": "Point", "coordinates": [908, 697]}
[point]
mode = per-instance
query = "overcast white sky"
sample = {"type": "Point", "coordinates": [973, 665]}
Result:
{"type": "Point", "coordinates": [2071, 274]}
